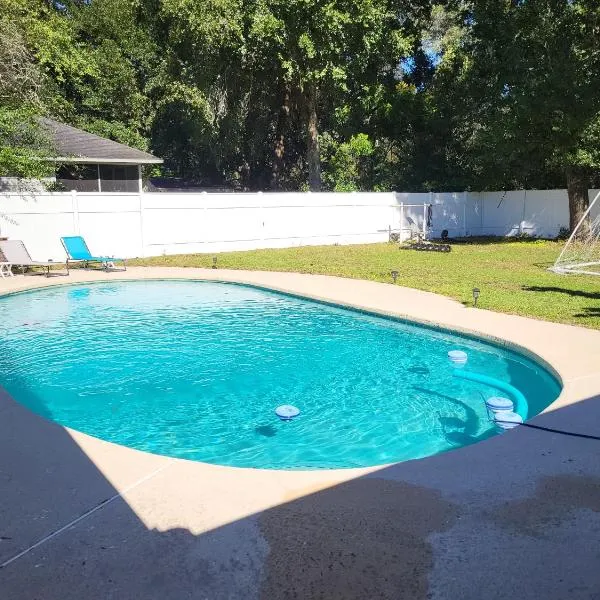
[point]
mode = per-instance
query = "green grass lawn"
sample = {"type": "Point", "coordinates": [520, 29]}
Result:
{"type": "Point", "coordinates": [512, 276]}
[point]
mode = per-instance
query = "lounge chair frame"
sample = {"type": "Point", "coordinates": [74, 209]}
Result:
{"type": "Point", "coordinates": [16, 254]}
{"type": "Point", "coordinates": [6, 269]}
{"type": "Point", "coordinates": [106, 262]}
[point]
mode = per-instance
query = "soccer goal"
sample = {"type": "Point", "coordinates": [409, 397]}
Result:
{"type": "Point", "coordinates": [581, 253]}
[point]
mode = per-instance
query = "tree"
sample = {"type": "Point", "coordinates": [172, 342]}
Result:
{"type": "Point", "coordinates": [87, 63]}
{"type": "Point", "coordinates": [23, 145]}
{"type": "Point", "coordinates": [284, 73]}
{"type": "Point", "coordinates": [359, 94]}
{"type": "Point", "coordinates": [535, 66]}
{"type": "Point", "coordinates": [322, 50]}
{"type": "Point", "coordinates": [349, 164]}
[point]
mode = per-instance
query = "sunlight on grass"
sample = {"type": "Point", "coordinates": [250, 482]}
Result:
{"type": "Point", "coordinates": [512, 276]}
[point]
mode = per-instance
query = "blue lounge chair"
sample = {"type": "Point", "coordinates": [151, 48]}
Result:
{"type": "Point", "coordinates": [77, 251]}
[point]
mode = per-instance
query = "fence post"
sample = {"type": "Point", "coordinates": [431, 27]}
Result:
{"type": "Point", "coordinates": [204, 228]}
{"type": "Point", "coordinates": [75, 212]}
{"type": "Point", "coordinates": [142, 237]}
{"type": "Point", "coordinates": [523, 214]}
{"type": "Point", "coordinates": [261, 217]}
{"type": "Point", "coordinates": [465, 213]}
{"type": "Point", "coordinates": [401, 222]}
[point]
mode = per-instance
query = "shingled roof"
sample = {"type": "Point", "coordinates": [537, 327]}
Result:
{"type": "Point", "coordinates": [77, 146]}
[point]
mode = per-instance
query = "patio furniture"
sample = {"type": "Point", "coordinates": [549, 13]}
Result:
{"type": "Point", "coordinates": [78, 251]}
{"type": "Point", "coordinates": [15, 253]}
{"type": "Point", "coordinates": [6, 269]}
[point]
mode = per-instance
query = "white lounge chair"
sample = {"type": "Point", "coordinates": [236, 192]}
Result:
{"type": "Point", "coordinates": [15, 253]}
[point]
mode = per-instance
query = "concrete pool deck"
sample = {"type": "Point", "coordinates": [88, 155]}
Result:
{"type": "Point", "coordinates": [515, 516]}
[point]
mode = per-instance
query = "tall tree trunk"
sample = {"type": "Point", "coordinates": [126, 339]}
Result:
{"type": "Point", "coordinates": [278, 169]}
{"type": "Point", "coordinates": [579, 200]}
{"type": "Point", "coordinates": [313, 153]}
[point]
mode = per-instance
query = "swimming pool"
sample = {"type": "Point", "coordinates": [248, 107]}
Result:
{"type": "Point", "coordinates": [196, 369]}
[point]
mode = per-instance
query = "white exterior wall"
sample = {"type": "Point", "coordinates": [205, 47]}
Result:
{"type": "Point", "coordinates": [132, 225]}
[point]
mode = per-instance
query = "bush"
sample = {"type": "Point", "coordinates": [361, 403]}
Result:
{"type": "Point", "coordinates": [347, 165]}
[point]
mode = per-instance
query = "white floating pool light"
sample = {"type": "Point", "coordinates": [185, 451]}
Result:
{"type": "Point", "coordinates": [507, 419]}
{"type": "Point", "coordinates": [287, 412]}
{"type": "Point", "coordinates": [457, 357]}
{"type": "Point", "coordinates": [497, 404]}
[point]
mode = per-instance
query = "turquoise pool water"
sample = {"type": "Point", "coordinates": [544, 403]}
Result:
{"type": "Point", "coordinates": [196, 369]}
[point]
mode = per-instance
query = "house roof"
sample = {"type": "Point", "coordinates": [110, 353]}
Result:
{"type": "Point", "coordinates": [78, 146]}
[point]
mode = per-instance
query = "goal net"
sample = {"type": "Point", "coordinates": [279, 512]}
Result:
{"type": "Point", "coordinates": [581, 253]}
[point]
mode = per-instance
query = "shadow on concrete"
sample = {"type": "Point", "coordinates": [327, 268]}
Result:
{"type": "Point", "coordinates": [516, 516]}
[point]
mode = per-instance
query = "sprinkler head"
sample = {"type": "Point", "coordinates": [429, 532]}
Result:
{"type": "Point", "coordinates": [476, 293]}
{"type": "Point", "coordinates": [394, 275]}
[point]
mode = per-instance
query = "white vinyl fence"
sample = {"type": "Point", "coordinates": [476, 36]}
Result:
{"type": "Point", "coordinates": [152, 224]}
{"type": "Point", "coordinates": [539, 213]}
{"type": "Point", "coordinates": [134, 225]}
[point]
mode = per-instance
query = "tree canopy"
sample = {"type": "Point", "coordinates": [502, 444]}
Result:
{"type": "Point", "coordinates": [314, 94]}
